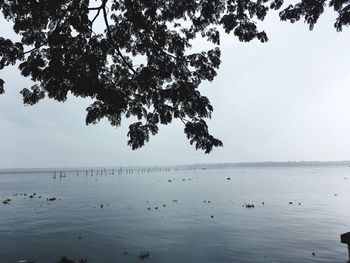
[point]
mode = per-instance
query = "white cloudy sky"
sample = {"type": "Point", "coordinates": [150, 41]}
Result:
{"type": "Point", "coordinates": [287, 99]}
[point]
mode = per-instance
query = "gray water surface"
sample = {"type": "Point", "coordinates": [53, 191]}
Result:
{"type": "Point", "coordinates": [189, 229]}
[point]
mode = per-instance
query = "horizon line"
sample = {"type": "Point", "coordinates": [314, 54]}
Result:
{"type": "Point", "coordinates": [246, 163]}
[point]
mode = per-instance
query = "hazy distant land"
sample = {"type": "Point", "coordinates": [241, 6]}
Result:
{"type": "Point", "coordinates": [188, 166]}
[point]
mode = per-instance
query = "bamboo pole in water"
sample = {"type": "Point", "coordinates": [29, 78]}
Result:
{"type": "Point", "coordinates": [345, 239]}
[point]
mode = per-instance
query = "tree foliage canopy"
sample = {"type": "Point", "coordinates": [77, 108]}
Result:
{"type": "Point", "coordinates": [61, 52]}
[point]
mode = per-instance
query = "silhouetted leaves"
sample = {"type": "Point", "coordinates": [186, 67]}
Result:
{"type": "Point", "coordinates": [31, 97]}
{"type": "Point", "coordinates": [9, 52]}
{"type": "Point", "coordinates": [140, 64]}
{"type": "Point", "coordinates": [309, 9]}
{"type": "Point", "coordinates": [198, 134]}
{"type": "Point", "coordinates": [139, 134]}
{"type": "Point", "coordinates": [2, 86]}
{"type": "Point", "coordinates": [343, 9]}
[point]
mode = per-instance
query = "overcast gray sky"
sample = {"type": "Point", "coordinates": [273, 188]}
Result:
{"type": "Point", "coordinates": [288, 99]}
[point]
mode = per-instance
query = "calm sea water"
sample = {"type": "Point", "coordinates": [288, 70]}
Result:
{"type": "Point", "coordinates": [185, 227]}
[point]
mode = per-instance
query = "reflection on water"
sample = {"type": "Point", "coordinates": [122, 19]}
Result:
{"type": "Point", "coordinates": [178, 216]}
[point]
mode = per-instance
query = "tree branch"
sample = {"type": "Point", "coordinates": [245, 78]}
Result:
{"type": "Point", "coordinates": [95, 8]}
{"type": "Point", "coordinates": [183, 120]}
{"type": "Point", "coordinates": [165, 52]}
{"type": "Point", "coordinates": [98, 8]}
{"type": "Point", "coordinates": [110, 35]}
{"type": "Point", "coordinates": [26, 52]}
{"type": "Point", "coordinates": [97, 14]}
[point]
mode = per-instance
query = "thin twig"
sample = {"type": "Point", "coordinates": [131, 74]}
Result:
{"type": "Point", "coordinates": [29, 51]}
{"type": "Point", "coordinates": [183, 120]}
{"type": "Point", "coordinates": [97, 14]}
{"type": "Point", "coordinates": [95, 8]}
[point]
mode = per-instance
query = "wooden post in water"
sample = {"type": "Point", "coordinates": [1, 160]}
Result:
{"type": "Point", "coordinates": [345, 239]}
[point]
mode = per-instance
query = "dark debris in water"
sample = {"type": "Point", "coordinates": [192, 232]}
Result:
{"type": "Point", "coordinates": [143, 255]}
{"type": "Point", "coordinates": [66, 260]}
{"type": "Point", "coordinates": [249, 205]}
{"type": "Point", "coordinates": [62, 260]}
{"type": "Point", "coordinates": [6, 201]}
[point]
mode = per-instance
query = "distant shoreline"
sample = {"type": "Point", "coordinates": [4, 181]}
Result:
{"type": "Point", "coordinates": [185, 166]}
{"type": "Point", "coordinates": [281, 164]}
